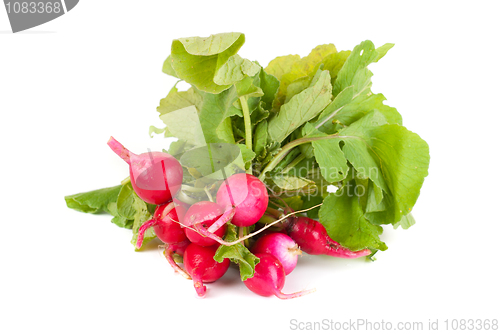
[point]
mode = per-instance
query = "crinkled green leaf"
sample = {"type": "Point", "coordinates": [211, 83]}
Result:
{"type": "Point", "coordinates": [237, 253]}
{"type": "Point", "coordinates": [185, 125]}
{"type": "Point", "coordinates": [141, 215]}
{"type": "Point", "coordinates": [269, 85]}
{"type": "Point", "coordinates": [301, 70]}
{"type": "Point", "coordinates": [260, 137]}
{"type": "Point", "coordinates": [210, 160]}
{"type": "Point", "coordinates": [95, 201]}
{"type": "Point", "coordinates": [178, 100]}
{"type": "Point", "coordinates": [125, 202]}
{"type": "Point", "coordinates": [281, 65]}
{"type": "Point", "coordinates": [197, 60]}
{"type": "Point", "coordinates": [333, 63]}
{"type": "Point", "coordinates": [344, 220]}
{"type": "Point", "coordinates": [288, 182]}
{"type": "Point", "coordinates": [406, 222]}
{"type": "Point", "coordinates": [354, 71]}
{"type": "Point", "coordinates": [300, 109]}
{"type": "Point", "coordinates": [214, 116]}
{"type": "Point", "coordinates": [167, 67]}
{"type": "Point", "coordinates": [235, 69]}
{"type": "Point", "coordinates": [331, 159]}
{"type": "Point", "coordinates": [296, 203]}
{"type": "Point", "coordinates": [357, 147]}
{"type": "Point", "coordinates": [382, 50]}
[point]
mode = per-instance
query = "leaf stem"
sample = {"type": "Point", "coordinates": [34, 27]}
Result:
{"type": "Point", "coordinates": [248, 126]}
{"type": "Point", "coordinates": [285, 149]}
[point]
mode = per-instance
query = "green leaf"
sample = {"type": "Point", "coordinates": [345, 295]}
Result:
{"type": "Point", "coordinates": [185, 125]}
{"type": "Point", "coordinates": [288, 182]}
{"type": "Point", "coordinates": [300, 71]}
{"type": "Point", "coordinates": [216, 161]}
{"type": "Point", "coordinates": [330, 158]}
{"type": "Point", "coordinates": [354, 72]}
{"type": "Point", "coordinates": [125, 202]}
{"type": "Point", "coordinates": [260, 137]}
{"type": "Point", "coordinates": [167, 67]}
{"type": "Point", "coordinates": [214, 115]}
{"type": "Point", "coordinates": [363, 105]}
{"type": "Point", "coordinates": [141, 215]}
{"type": "Point", "coordinates": [404, 162]}
{"type": "Point", "coordinates": [247, 154]}
{"type": "Point", "coordinates": [95, 201]}
{"type": "Point", "coordinates": [300, 109]}
{"type": "Point", "coordinates": [281, 65]}
{"type": "Point", "coordinates": [357, 148]}
{"type": "Point", "coordinates": [178, 100]}
{"type": "Point", "coordinates": [343, 218]}
{"type": "Point", "coordinates": [269, 85]}
{"type": "Point", "coordinates": [237, 253]}
{"type": "Point", "coordinates": [406, 222]}
{"type": "Point", "coordinates": [294, 202]}
{"type": "Point", "coordinates": [310, 201]}
{"type": "Point", "coordinates": [333, 63]}
{"type": "Point", "coordinates": [235, 69]}
{"type": "Point", "coordinates": [382, 50]}
{"type": "Point", "coordinates": [122, 222]}
{"type": "Point", "coordinates": [197, 60]}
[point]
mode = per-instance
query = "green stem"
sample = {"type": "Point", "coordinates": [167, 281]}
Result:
{"type": "Point", "coordinates": [273, 212]}
{"type": "Point", "coordinates": [285, 149]}
{"type": "Point", "coordinates": [294, 163]}
{"type": "Point", "coordinates": [248, 126]}
{"type": "Point", "coordinates": [265, 219]}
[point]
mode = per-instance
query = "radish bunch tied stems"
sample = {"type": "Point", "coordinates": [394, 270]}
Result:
{"type": "Point", "coordinates": [299, 156]}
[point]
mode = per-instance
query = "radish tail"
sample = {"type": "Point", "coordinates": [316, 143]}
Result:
{"type": "Point", "coordinates": [282, 295]}
{"type": "Point", "coordinates": [169, 252]}
{"type": "Point", "coordinates": [119, 149]}
{"type": "Point", "coordinates": [227, 216]}
{"type": "Point", "coordinates": [345, 253]}
{"type": "Point", "coordinates": [199, 287]}
{"type": "Point", "coordinates": [142, 230]}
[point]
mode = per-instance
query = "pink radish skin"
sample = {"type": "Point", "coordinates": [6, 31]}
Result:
{"type": "Point", "coordinates": [200, 264]}
{"type": "Point", "coordinates": [282, 247]}
{"type": "Point", "coordinates": [155, 176]}
{"type": "Point", "coordinates": [247, 194]}
{"type": "Point", "coordinates": [312, 238]}
{"type": "Point", "coordinates": [165, 223]}
{"type": "Point", "coordinates": [269, 278]}
{"type": "Point", "coordinates": [200, 216]}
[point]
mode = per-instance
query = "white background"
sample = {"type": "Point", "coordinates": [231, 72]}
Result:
{"type": "Point", "coordinates": [67, 85]}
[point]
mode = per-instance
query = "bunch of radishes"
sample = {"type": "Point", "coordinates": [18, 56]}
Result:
{"type": "Point", "coordinates": [195, 232]}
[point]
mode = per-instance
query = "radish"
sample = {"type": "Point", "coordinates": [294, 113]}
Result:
{"type": "Point", "coordinates": [155, 176]}
{"type": "Point", "coordinates": [165, 223]}
{"type": "Point", "coordinates": [281, 246]}
{"type": "Point", "coordinates": [312, 238]}
{"type": "Point", "coordinates": [200, 216]}
{"type": "Point", "coordinates": [247, 194]}
{"type": "Point", "coordinates": [269, 278]}
{"type": "Point", "coordinates": [200, 264]}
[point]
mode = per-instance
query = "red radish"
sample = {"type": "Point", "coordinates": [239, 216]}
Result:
{"type": "Point", "coordinates": [155, 176]}
{"type": "Point", "coordinates": [247, 194]}
{"type": "Point", "coordinates": [200, 216]}
{"type": "Point", "coordinates": [281, 246]}
{"type": "Point", "coordinates": [200, 264]}
{"type": "Point", "coordinates": [313, 239]}
{"type": "Point", "coordinates": [269, 278]}
{"type": "Point", "coordinates": [166, 224]}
